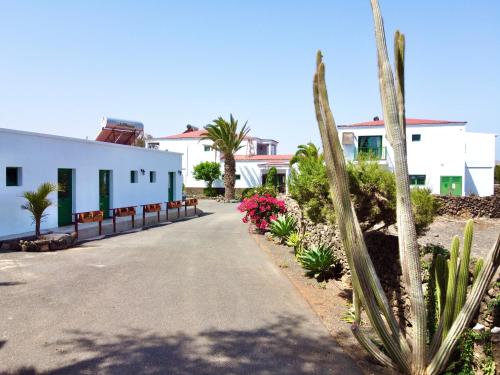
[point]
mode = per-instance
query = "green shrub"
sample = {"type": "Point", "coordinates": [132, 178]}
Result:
{"type": "Point", "coordinates": [283, 227]}
{"type": "Point", "coordinates": [318, 261]}
{"type": "Point", "coordinates": [373, 190]}
{"type": "Point", "coordinates": [208, 171]}
{"type": "Point", "coordinates": [308, 185]}
{"type": "Point", "coordinates": [259, 190]}
{"type": "Point", "coordinates": [272, 178]}
{"type": "Point", "coordinates": [425, 207]}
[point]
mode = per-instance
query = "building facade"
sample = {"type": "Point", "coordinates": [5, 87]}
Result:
{"type": "Point", "coordinates": [442, 155]}
{"type": "Point", "coordinates": [92, 176]}
{"type": "Point", "coordinates": [253, 160]}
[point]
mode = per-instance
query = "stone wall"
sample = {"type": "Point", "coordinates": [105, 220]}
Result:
{"type": "Point", "coordinates": [198, 192]}
{"type": "Point", "coordinates": [470, 206]}
{"type": "Point", "coordinates": [383, 250]}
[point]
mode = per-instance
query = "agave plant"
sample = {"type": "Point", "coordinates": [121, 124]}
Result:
{"type": "Point", "coordinates": [37, 202]}
{"type": "Point", "coordinates": [318, 261]}
{"type": "Point", "coordinates": [282, 227]}
{"type": "Point", "coordinates": [405, 350]}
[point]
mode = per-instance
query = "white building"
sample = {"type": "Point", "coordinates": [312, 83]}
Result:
{"type": "Point", "coordinates": [441, 154]}
{"type": "Point", "coordinates": [253, 160]}
{"type": "Point", "coordinates": [94, 176]}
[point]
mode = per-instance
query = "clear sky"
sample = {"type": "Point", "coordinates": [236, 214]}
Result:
{"type": "Point", "coordinates": [65, 64]}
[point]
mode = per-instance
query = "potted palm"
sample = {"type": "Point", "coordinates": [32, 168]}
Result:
{"type": "Point", "coordinates": [37, 202]}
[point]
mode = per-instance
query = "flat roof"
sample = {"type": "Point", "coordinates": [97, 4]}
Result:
{"type": "Point", "coordinates": [80, 140]}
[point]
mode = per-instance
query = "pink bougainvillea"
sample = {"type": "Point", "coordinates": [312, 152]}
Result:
{"type": "Point", "coordinates": [261, 210]}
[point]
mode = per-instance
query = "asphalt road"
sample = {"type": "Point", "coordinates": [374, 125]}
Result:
{"type": "Point", "coordinates": [194, 297]}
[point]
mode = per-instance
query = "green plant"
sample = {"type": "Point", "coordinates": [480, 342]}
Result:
{"type": "Point", "coordinates": [373, 191]}
{"type": "Point", "coordinates": [272, 178]}
{"type": "Point", "coordinates": [283, 227]}
{"type": "Point", "coordinates": [318, 261]}
{"type": "Point", "coordinates": [425, 207]}
{"type": "Point", "coordinates": [37, 202]}
{"type": "Point", "coordinates": [408, 353]}
{"type": "Point", "coordinates": [497, 174]}
{"type": "Point", "coordinates": [259, 190]}
{"type": "Point", "coordinates": [227, 140]}
{"type": "Point", "coordinates": [208, 171]}
{"type": "Point", "coordinates": [306, 152]}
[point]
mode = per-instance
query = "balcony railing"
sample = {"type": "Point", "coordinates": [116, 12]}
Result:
{"type": "Point", "coordinates": [371, 153]}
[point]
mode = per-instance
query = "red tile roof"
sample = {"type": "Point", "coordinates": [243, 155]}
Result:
{"type": "Point", "coordinates": [409, 121]}
{"type": "Point", "coordinates": [262, 157]}
{"type": "Point", "coordinates": [193, 134]}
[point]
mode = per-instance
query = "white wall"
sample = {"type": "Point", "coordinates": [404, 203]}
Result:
{"type": "Point", "coordinates": [440, 151]}
{"type": "Point", "coordinates": [480, 163]}
{"type": "Point", "coordinates": [40, 157]}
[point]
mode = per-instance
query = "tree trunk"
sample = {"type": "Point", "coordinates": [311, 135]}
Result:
{"type": "Point", "coordinates": [229, 176]}
{"type": "Point", "coordinates": [37, 228]}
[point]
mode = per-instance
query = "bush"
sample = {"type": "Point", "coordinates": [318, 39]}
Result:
{"type": "Point", "coordinates": [308, 185]}
{"type": "Point", "coordinates": [319, 262]}
{"type": "Point", "coordinates": [261, 210]}
{"type": "Point", "coordinates": [283, 227]}
{"type": "Point", "coordinates": [373, 191]}
{"type": "Point", "coordinates": [295, 240]}
{"type": "Point", "coordinates": [272, 178]}
{"type": "Point", "coordinates": [425, 207]}
{"type": "Point", "coordinates": [259, 190]}
{"type": "Point", "coordinates": [208, 171]}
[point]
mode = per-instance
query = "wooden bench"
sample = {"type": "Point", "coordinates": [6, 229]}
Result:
{"type": "Point", "coordinates": [174, 204]}
{"type": "Point", "coordinates": [89, 217]}
{"type": "Point", "coordinates": [190, 202]}
{"type": "Point", "coordinates": [123, 212]}
{"type": "Point", "coordinates": [153, 207]}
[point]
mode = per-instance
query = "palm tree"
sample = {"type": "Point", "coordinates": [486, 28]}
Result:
{"type": "Point", "coordinates": [309, 151]}
{"type": "Point", "coordinates": [37, 202]}
{"type": "Point", "coordinates": [227, 140]}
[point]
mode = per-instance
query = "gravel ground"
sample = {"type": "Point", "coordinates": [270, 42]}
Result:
{"type": "Point", "coordinates": [441, 232]}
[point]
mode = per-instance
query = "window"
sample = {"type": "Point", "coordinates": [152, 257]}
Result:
{"type": "Point", "coordinates": [415, 137]}
{"type": "Point", "coordinates": [134, 177]}
{"type": "Point", "coordinates": [417, 179]}
{"type": "Point", "coordinates": [152, 176]}
{"type": "Point", "coordinates": [238, 177]}
{"type": "Point", "coordinates": [154, 145]}
{"type": "Point", "coordinates": [13, 176]}
{"type": "Point", "coordinates": [207, 148]}
{"type": "Point", "coordinates": [371, 147]}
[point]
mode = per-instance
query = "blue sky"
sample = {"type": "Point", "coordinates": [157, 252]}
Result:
{"type": "Point", "coordinates": [65, 64]}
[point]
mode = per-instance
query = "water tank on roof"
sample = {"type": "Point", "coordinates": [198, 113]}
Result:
{"type": "Point", "coordinates": [108, 122]}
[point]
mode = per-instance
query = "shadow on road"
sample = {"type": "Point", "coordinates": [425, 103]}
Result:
{"type": "Point", "coordinates": [275, 348]}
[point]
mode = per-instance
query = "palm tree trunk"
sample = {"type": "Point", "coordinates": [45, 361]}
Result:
{"type": "Point", "coordinates": [37, 228]}
{"type": "Point", "coordinates": [229, 176]}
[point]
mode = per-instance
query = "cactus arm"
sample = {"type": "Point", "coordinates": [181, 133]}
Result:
{"type": "Point", "coordinates": [365, 280]}
{"type": "Point", "coordinates": [463, 273]}
{"type": "Point", "coordinates": [407, 236]}
{"type": "Point", "coordinates": [451, 287]}
{"type": "Point", "coordinates": [480, 286]}
{"type": "Point", "coordinates": [399, 65]}
{"type": "Point", "coordinates": [441, 272]}
{"type": "Point", "coordinates": [477, 269]}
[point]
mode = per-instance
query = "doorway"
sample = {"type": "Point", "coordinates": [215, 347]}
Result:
{"type": "Point", "coordinates": [171, 186]}
{"type": "Point", "coordinates": [65, 197]}
{"type": "Point", "coordinates": [104, 191]}
{"type": "Point", "coordinates": [451, 185]}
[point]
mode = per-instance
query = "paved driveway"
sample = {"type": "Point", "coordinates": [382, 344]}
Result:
{"type": "Point", "coordinates": [195, 297]}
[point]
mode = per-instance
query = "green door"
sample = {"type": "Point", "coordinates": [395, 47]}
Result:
{"type": "Point", "coordinates": [451, 185]}
{"type": "Point", "coordinates": [171, 186]}
{"type": "Point", "coordinates": [65, 197]}
{"type": "Point", "coordinates": [104, 181]}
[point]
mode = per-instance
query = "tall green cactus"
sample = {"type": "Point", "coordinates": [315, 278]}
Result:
{"type": "Point", "coordinates": [463, 273]}
{"type": "Point", "coordinates": [370, 296]}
